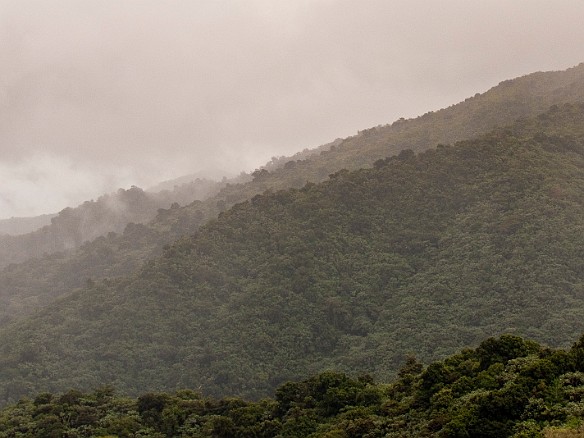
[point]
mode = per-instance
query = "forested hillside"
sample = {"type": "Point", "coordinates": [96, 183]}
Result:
{"type": "Point", "coordinates": [25, 287]}
{"type": "Point", "coordinates": [110, 213]}
{"type": "Point", "coordinates": [507, 387]}
{"type": "Point", "coordinates": [420, 254]}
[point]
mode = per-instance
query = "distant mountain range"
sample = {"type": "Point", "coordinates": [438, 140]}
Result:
{"type": "Point", "coordinates": [71, 227]}
{"type": "Point", "coordinates": [23, 225]}
{"type": "Point", "coordinates": [313, 263]}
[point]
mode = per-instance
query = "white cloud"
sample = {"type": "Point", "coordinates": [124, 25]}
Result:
{"type": "Point", "coordinates": [53, 183]}
{"type": "Point", "coordinates": [163, 88]}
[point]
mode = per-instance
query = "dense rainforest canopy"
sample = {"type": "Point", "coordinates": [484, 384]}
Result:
{"type": "Point", "coordinates": [420, 254]}
{"type": "Point", "coordinates": [506, 387]}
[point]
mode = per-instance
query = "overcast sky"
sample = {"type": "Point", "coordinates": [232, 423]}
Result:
{"type": "Point", "coordinates": [101, 94]}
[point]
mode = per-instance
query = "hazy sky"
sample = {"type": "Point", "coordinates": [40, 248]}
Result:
{"type": "Point", "coordinates": [101, 94]}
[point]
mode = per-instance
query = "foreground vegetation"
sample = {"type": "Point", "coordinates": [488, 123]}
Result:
{"type": "Point", "coordinates": [507, 387]}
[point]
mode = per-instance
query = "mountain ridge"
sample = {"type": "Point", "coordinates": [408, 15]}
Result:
{"type": "Point", "coordinates": [34, 283]}
{"type": "Point", "coordinates": [71, 227]}
{"type": "Point", "coordinates": [15, 226]}
{"type": "Point", "coordinates": [421, 253]}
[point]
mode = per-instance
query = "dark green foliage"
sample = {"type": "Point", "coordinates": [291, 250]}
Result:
{"type": "Point", "coordinates": [503, 349]}
{"type": "Point", "coordinates": [421, 254]}
{"type": "Point", "coordinates": [530, 394]}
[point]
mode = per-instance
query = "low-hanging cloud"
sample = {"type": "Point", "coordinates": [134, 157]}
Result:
{"type": "Point", "coordinates": [98, 94]}
{"type": "Point", "coordinates": [54, 180]}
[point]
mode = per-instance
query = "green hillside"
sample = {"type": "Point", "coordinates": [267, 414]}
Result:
{"type": "Point", "coordinates": [35, 283]}
{"type": "Point", "coordinates": [420, 254]}
{"type": "Point", "coordinates": [507, 387]}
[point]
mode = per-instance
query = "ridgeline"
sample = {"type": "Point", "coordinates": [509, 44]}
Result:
{"type": "Point", "coordinates": [34, 283]}
{"type": "Point", "coordinates": [422, 253]}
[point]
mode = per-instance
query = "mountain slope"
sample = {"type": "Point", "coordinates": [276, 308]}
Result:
{"type": "Point", "coordinates": [110, 213]}
{"type": "Point", "coordinates": [22, 225]}
{"type": "Point", "coordinates": [28, 286]}
{"type": "Point", "coordinates": [421, 254]}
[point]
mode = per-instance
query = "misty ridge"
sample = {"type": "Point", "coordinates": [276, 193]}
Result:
{"type": "Point", "coordinates": [67, 230]}
{"type": "Point", "coordinates": [110, 213]}
{"type": "Point", "coordinates": [22, 225]}
{"type": "Point", "coordinates": [512, 99]}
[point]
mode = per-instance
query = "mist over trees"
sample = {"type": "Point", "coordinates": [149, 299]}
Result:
{"type": "Point", "coordinates": [315, 277]}
{"type": "Point", "coordinates": [423, 253]}
{"type": "Point", "coordinates": [22, 225]}
{"type": "Point", "coordinates": [71, 227]}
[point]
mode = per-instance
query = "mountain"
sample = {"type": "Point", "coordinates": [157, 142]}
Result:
{"type": "Point", "coordinates": [34, 283]}
{"type": "Point", "coordinates": [506, 387]}
{"type": "Point", "coordinates": [419, 254]}
{"type": "Point", "coordinates": [110, 213]}
{"type": "Point", "coordinates": [207, 174]}
{"type": "Point", "coordinates": [22, 225]}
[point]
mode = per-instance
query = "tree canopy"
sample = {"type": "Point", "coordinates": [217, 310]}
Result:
{"type": "Point", "coordinates": [506, 387]}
